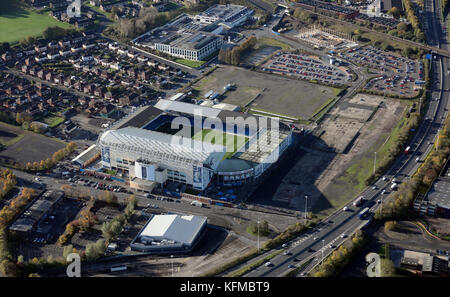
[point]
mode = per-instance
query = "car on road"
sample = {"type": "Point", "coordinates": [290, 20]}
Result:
{"type": "Point", "coordinates": [287, 253]}
{"type": "Point", "coordinates": [345, 208]}
{"type": "Point", "coordinates": [379, 201]}
{"type": "Point", "coordinates": [284, 245]}
{"type": "Point", "coordinates": [268, 264]}
{"type": "Point", "coordinates": [343, 235]}
{"type": "Point", "coordinates": [384, 178]}
{"type": "Point", "coordinates": [311, 250]}
{"type": "Point", "coordinates": [374, 187]}
{"type": "Point", "coordinates": [291, 266]}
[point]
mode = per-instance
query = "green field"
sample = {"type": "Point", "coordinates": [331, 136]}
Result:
{"type": "Point", "coordinates": [17, 23]}
{"type": "Point", "coordinates": [266, 41]}
{"type": "Point", "coordinates": [232, 142]}
{"type": "Point", "coordinates": [53, 120]}
{"type": "Point", "coordinates": [190, 63]}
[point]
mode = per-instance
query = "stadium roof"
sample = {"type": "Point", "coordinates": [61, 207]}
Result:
{"type": "Point", "coordinates": [87, 154]}
{"type": "Point", "coordinates": [139, 118]}
{"type": "Point", "coordinates": [183, 229]}
{"type": "Point", "coordinates": [177, 106]}
{"type": "Point", "coordinates": [223, 115]}
{"type": "Point", "coordinates": [152, 142]}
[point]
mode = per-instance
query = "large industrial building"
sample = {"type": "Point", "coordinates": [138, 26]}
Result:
{"type": "Point", "coordinates": [146, 148]}
{"type": "Point", "coordinates": [195, 37]}
{"type": "Point", "coordinates": [170, 233]}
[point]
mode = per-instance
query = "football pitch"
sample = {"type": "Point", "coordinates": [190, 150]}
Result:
{"type": "Point", "coordinates": [232, 142]}
{"type": "Point", "coordinates": [18, 22]}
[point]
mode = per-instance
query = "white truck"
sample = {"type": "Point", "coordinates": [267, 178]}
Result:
{"type": "Point", "coordinates": [197, 203]}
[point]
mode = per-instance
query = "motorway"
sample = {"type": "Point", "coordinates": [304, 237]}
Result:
{"type": "Point", "coordinates": [326, 237]}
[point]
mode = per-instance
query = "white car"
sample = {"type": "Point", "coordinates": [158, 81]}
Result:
{"type": "Point", "coordinates": [384, 178]}
{"type": "Point", "coordinates": [268, 264]}
{"type": "Point", "coordinates": [345, 208]}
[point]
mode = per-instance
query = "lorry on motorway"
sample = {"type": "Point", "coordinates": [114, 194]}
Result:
{"type": "Point", "coordinates": [364, 213]}
{"type": "Point", "coordinates": [197, 203]}
{"type": "Point", "coordinates": [118, 268]}
{"type": "Point", "coordinates": [358, 201]}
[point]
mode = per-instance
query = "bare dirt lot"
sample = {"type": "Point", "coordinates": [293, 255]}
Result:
{"type": "Point", "coordinates": [330, 175]}
{"type": "Point", "coordinates": [277, 94]}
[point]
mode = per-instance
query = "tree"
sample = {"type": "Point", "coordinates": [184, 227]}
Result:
{"type": "Point", "coordinates": [387, 268]}
{"type": "Point", "coordinates": [67, 250]}
{"type": "Point", "coordinates": [95, 250]}
{"type": "Point", "coordinates": [394, 12]}
{"type": "Point", "coordinates": [390, 225]}
{"type": "Point", "coordinates": [402, 27]}
{"type": "Point", "coordinates": [8, 268]}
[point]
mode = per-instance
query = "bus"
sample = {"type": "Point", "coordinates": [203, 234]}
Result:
{"type": "Point", "coordinates": [363, 214]}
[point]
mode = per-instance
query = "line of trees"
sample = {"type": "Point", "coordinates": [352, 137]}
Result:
{"type": "Point", "coordinates": [50, 162]}
{"type": "Point", "coordinates": [86, 220]}
{"type": "Point", "coordinates": [337, 261]}
{"type": "Point", "coordinates": [8, 266]}
{"type": "Point", "coordinates": [9, 212]}
{"type": "Point", "coordinates": [148, 18]}
{"type": "Point", "coordinates": [233, 56]}
{"type": "Point", "coordinates": [414, 20]}
{"type": "Point", "coordinates": [8, 180]}
{"type": "Point", "coordinates": [398, 203]}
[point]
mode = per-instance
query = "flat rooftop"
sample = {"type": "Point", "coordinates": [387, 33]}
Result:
{"type": "Point", "coordinates": [139, 118]}
{"type": "Point", "coordinates": [173, 228]}
{"type": "Point", "coordinates": [182, 32]}
{"type": "Point", "coordinates": [439, 193]}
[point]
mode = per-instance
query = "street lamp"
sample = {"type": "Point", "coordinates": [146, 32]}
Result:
{"type": "Point", "coordinates": [306, 206]}
{"type": "Point", "coordinates": [171, 259]}
{"type": "Point", "coordinates": [375, 163]}
{"type": "Point", "coordinates": [323, 247]}
{"type": "Point", "coordinates": [258, 234]}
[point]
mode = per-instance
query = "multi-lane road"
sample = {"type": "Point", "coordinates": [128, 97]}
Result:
{"type": "Point", "coordinates": [324, 238]}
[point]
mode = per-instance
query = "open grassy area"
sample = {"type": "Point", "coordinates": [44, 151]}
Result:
{"type": "Point", "coordinates": [52, 120]}
{"type": "Point", "coordinates": [17, 22]}
{"type": "Point", "coordinates": [190, 63]}
{"type": "Point", "coordinates": [10, 134]}
{"type": "Point", "coordinates": [232, 142]}
{"type": "Point", "coordinates": [266, 41]}
{"type": "Point", "coordinates": [31, 147]}
{"type": "Point", "coordinates": [266, 92]}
